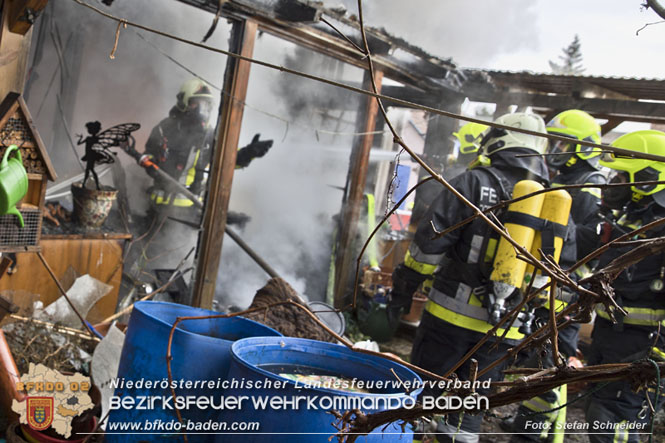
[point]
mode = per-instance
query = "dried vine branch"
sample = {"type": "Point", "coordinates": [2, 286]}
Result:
{"type": "Point", "coordinates": [641, 373]}
{"type": "Point", "coordinates": [656, 6]}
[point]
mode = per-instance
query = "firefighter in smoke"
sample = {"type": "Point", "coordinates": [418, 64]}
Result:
{"type": "Point", "coordinates": [570, 163]}
{"type": "Point", "coordinates": [181, 146]}
{"type": "Point", "coordinates": [639, 290]}
{"type": "Point", "coordinates": [455, 318]}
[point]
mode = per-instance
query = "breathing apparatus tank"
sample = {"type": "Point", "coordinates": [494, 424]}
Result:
{"type": "Point", "coordinates": [555, 213]}
{"type": "Point", "coordinates": [508, 271]}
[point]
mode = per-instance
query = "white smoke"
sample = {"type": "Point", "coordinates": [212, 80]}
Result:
{"type": "Point", "coordinates": [290, 193]}
{"type": "Point", "coordinates": [471, 33]}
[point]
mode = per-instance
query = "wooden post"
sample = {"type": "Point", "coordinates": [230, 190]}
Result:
{"type": "Point", "coordinates": [236, 78]}
{"type": "Point", "coordinates": [438, 145]}
{"type": "Point", "coordinates": [14, 53]}
{"type": "Point", "coordinates": [344, 259]}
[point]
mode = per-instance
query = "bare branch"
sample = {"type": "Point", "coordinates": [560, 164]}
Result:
{"type": "Point", "coordinates": [656, 6]}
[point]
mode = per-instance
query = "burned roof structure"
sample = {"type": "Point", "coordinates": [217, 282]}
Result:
{"type": "Point", "coordinates": [304, 23]}
{"type": "Point", "coordinates": [616, 99]}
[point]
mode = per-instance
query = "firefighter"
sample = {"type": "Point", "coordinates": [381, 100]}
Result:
{"type": "Point", "coordinates": [465, 151]}
{"type": "Point", "coordinates": [455, 318]}
{"type": "Point", "coordinates": [181, 146]}
{"type": "Point", "coordinates": [570, 163]}
{"type": "Point", "coordinates": [577, 164]}
{"type": "Point", "coordinates": [468, 136]}
{"type": "Point", "coordinates": [638, 290]}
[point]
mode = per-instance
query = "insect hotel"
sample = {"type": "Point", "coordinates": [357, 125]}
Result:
{"type": "Point", "coordinates": [21, 221]}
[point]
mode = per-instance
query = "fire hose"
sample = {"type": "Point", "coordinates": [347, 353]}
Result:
{"type": "Point", "coordinates": [146, 162]}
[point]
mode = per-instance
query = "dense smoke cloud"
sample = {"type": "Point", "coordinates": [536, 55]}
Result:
{"type": "Point", "coordinates": [291, 193]}
{"type": "Point", "coordinates": [469, 32]}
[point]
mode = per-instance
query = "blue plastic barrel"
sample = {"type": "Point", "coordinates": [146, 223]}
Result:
{"type": "Point", "coordinates": [260, 360]}
{"type": "Point", "coordinates": [201, 350]}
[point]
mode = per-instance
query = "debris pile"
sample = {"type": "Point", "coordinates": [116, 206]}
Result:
{"type": "Point", "coordinates": [57, 347]}
{"type": "Point", "coordinates": [287, 319]}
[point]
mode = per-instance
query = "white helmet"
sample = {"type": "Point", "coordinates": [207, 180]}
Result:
{"type": "Point", "coordinates": [496, 139]}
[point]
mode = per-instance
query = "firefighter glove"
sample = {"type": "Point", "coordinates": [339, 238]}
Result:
{"type": "Point", "coordinates": [238, 219]}
{"type": "Point", "coordinates": [405, 283]}
{"type": "Point", "coordinates": [257, 148]}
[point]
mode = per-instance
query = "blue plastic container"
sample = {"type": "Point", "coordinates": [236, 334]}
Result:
{"type": "Point", "coordinates": [262, 359]}
{"type": "Point", "coordinates": [200, 350]}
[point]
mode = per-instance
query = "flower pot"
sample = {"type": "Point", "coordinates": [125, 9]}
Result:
{"type": "Point", "coordinates": [91, 206]}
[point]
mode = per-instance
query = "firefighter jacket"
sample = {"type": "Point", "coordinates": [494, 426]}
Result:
{"type": "Point", "coordinates": [585, 208]}
{"type": "Point", "coordinates": [639, 289]}
{"type": "Point", "coordinates": [181, 147]}
{"type": "Point", "coordinates": [462, 258]}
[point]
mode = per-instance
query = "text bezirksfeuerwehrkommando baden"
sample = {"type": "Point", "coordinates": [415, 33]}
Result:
{"type": "Point", "coordinates": [269, 383]}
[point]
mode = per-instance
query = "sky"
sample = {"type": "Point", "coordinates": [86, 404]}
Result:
{"type": "Point", "coordinates": [518, 35]}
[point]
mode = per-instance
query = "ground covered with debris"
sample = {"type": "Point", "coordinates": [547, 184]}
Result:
{"type": "Point", "coordinates": [55, 347]}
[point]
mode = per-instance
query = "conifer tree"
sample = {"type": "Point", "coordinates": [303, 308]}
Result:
{"type": "Point", "coordinates": [571, 60]}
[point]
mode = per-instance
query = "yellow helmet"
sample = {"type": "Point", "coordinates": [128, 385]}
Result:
{"type": "Point", "coordinates": [495, 139]}
{"type": "Point", "coordinates": [647, 141]}
{"type": "Point", "coordinates": [578, 125]}
{"type": "Point", "coordinates": [193, 88]}
{"type": "Point", "coordinates": [469, 137]}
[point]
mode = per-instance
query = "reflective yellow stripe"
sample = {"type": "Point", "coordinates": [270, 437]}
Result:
{"type": "Point", "coordinates": [559, 428]}
{"type": "Point", "coordinates": [583, 271]}
{"type": "Point", "coordinates": [658, 353]}
{"type": "Point", "coordinates": [178, 201]}
{"type": "Point", "coordinates": [467, 322]}
{"type": "Point", "coordinates": [559, 305]}
{"type": "Point", "coordinates": [593, 191]}
{"type": "Point", "coordinates": [423, 268]}
{"type": "Point", "coordinates": [636, 316]}
{"type": "Point", "coordinates": [537, 404]}
{"type": "Point", "coordinates": [621, 434]}
{"type": "Point", "coordinates": [371, 224]}
{"type": "Point", "coordinates": [191, 172]}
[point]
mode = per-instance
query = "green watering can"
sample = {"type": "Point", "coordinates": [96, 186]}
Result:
{"type": "Point", "coordinates": [13, 182]}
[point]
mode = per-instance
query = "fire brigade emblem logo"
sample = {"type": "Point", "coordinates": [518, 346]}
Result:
{"type": "Point", "coordinates": [40, 412]}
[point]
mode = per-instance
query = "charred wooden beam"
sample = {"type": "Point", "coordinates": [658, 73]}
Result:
{"type": "Point", "coordinates": [631, 110]}
{"type": "Point", "coordinates": [410, 66]}
{"type": "Point", "coordinates": [355, 190]}
{"type": "Point", "coordinates": [420, 97]}
{"type": "Point", "coordinates": [243, 36]}
{"type": "Point", "coordinates": [23, 13]}
{"type": "Point", "coordinates": [295, 11]}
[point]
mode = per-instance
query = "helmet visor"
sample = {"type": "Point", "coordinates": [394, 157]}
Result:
{"type": "Point", "coordinates": [560, 152]}
{"type": "Point", "coordinates": [201, 108]}
{"type": "Point", "coordinates": [617, 196]}
{"type": "Point", "coordinates": [470, 144]}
